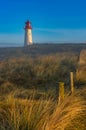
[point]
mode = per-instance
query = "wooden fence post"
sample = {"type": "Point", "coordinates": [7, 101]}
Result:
{"type": "Point", "coordinates": [72, 82]}
{"type": "Point", "coordinates": [61, 91]}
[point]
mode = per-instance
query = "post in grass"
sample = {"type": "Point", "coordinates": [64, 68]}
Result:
{"type": "Point", "coordinates": [61, 91]}
{"type": "Point", "coordinates": [72, 82]}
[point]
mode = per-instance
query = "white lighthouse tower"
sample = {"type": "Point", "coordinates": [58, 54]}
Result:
{"type": "Point", "coordinates": [28, 34]}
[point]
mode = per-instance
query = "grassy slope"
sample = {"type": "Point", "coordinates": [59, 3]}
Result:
{"type": "Point", "coordinates": [29, 114]}
{"type": "Point", "coordinates": [21, 69]}
{"type": "Point", "coordinates": [40, 49]}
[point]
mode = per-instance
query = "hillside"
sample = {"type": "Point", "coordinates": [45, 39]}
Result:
{"type": "Point", "coordinates": [41, 66]}
{"type": "Point", "coordinates": [29, 87]}
{"type": "Point", "coordinates": [40, 49]}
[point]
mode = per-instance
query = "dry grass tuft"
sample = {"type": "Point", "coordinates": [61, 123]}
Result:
{"type": "Point", "coordinates": [30, 114]}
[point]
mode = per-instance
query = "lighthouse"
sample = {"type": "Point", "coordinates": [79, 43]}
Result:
{"type": "Point", "coordinates": [28, 34]}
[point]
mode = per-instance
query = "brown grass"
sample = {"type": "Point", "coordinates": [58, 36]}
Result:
{"type": "Point", "coordinates": [29, 114]}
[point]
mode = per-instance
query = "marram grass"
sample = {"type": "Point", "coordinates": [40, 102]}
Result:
{"type": "Point", "coordinates": [30, 114]}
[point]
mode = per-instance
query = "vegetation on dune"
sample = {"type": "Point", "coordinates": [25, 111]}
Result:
{"type": "Point", "coordinates": [30, 114]}
{"type": "Point", "coordinates": [29, 94]}
{"type": "Point", "coordinates": [43, 71]}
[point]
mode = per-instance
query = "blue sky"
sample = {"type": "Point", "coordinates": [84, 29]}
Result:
{"type": "Point", "coordinates": [52, 20]}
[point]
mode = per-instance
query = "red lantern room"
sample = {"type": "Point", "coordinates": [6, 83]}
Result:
{"type": "Point", "coordinates": [28, 25]}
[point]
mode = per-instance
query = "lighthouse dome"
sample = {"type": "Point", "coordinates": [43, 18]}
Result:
{"type": "Point", "coordinates": [28, 25]}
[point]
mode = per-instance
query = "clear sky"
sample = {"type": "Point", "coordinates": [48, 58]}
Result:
{"type": "Point", "coordinates": [52, 20]}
